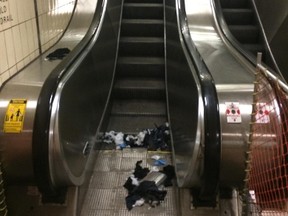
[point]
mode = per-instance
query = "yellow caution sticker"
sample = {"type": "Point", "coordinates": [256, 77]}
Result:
{"type": "Point", "coordinates": [14, 118]}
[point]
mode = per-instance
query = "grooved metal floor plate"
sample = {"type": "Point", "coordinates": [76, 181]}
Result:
{"type": "Point", "coordinates": [106, 194]}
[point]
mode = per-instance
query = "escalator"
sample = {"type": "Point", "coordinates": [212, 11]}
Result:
{"type": "Point", "coordinates": [244, 30]}
{"type": "Point", "coordinates": [242, 23]}
{"type": "Point", "coordinates": [138, 102]}
{"type": "Point", "coordinates": [152, 65]}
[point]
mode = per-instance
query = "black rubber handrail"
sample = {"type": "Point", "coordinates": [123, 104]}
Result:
{"type": "Point", "coordinates": [40, 143]}
{"type": "Point", "coordinates": [212, 152]}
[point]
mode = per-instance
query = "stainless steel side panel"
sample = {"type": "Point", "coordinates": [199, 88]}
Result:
{"type": "Point", "coordinates": [81, 100]}
{"type": "Point", "coordinates": [185, 105]}
{"type": "Point", "coordinates": [234, 83]}
{"type": "Point", "coordinates": [16, 149]}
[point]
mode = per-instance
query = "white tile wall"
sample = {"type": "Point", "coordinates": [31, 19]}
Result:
{"type": "Point", "coordinates": [3, 59]}
{"type": "Point", "coordinates": [19, 39]}
{"type": "Point", "coordinates": [54, 16]}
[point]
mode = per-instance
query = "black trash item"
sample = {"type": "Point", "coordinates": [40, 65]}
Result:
{"type": "Point", "coordinates": [131, 200]}
{"type": "Point", "coordinates": [158, 138]}
{"type": "Point", "coordinates": [58, 54]}
{"type": "Point", "coordinates": [139, 171]}
{"type": "Point", "coordinates": [147, 189]}
{"type": "Point", "coordinates": [149, 192]}
{"type": "Point", "coordinates": [153, 139]}
{"type": "Point", "coordinates": [130, 141]}
{"type": "Point", "coordinates": [169, 171]}
{"type": "Point", "coordinates": [129, 186]}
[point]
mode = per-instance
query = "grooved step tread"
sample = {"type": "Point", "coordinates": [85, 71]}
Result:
{"type": "Point", "coordinates": [143, 1]}
{"type": "Point", "coordinates": [241, 16]}
{"type": "Point", "coordinates": [134, 124]}
{"type": "Point", "coordinates": [142, 21]}
{"type": "Point", "coordinates": [234, 3]}
{"type": "Point", "coordinates": [144, 83]}
{"type": "Point", "coordinates": [237, 10]}
{"type": "Point", "coordinates": [243, 27]}
{"type": "Point", "coordinates": [143, 5]}
{"type": "Point", "coordinates": [142, 39]}
{"type": "Point", "coordinates": [141, 60]}
{"type": "Point", "coordinates": [139, 107]}
{"type": "Point", "coordinates": [255, 48]}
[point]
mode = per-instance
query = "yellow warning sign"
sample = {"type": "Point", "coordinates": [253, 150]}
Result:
{"type": "Point", "coordinates": [14, 118]}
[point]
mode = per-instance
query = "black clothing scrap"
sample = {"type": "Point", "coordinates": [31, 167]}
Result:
{"type": "Point", "coordinates": [169, 171]}
{"type": "Point", "coordinates": [139, 171]}
{"type": "Point", "coordinates": [146, 190]}
{"type": "Point", "coordinates": [58, 54]}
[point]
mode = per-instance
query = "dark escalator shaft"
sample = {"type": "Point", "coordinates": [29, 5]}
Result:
{"type": "Point", "coordinates": [138, 97]}
{"type": "Point", "coordinates": [137, 102]}
{"type": "Point", "coordinates": [243, 25]}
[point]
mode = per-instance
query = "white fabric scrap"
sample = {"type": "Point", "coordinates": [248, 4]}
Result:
{"type": "Point", "coordinates": [119, 138]}
{"type": "Point", "coordinates": [134, 180]}
{"type": "Point", "coordinates": [156, 157]}
{"type": "Point", "coordinates": [139, 202]}
{"type": "Point", "coordinates": [140, 138]}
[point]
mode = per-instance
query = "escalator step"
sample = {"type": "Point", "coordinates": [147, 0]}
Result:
{"type": "Point", "coordinates": [134, 88]}
{"type": "Point", "coordinates": [139, 107]}
{"type": "Point", "coordinates": [140, 67]}
{"type": "Point", "coordinates": [142, 11]}
{"type": "Point", "coordinates": [245, 33]}
{"type": "Point", "coordinates": [239, 16]}
{"type": "Point", "coordinates": [142, 28]}
{"type": "Point", "coordinates": [234, 3]}
{"type": "Point", "coordinates": [143, 1]}
{"type": "Point", "coordinates": [141, 46]}
{"type": "Point", "coordinates": [255, 48]}
{"type": "Point", "coordinates": [134, 123]}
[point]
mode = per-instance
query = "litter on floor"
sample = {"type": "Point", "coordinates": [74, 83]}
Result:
{"type": "Point", "coordinates": [153, 139]}
{"type": "Point", "coordinates": [145, 186]}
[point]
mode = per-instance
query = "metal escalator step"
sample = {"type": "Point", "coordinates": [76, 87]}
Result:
{"type": "Point", "coordinates": [245, 33]}
{"type": "Point", "coordinates": [142, 39]}
{"type": "Point", "coordinates": [139, 89]}
{"type": "Point", "coordinates": [141, 46]}
{"type": "Point", "coordinates": [139, 107]}
{"type": "Point", "coordinates": [143, 1]}
{"type": "Point", "coordinates": [134, 123]}
{"type": "Point", "coordinates": [142, 28]}
{"type": "Point", "coordinates": [143, 11]}
{"type": "Point", "coordinates": [255, 48]}
{"type": "Point", "coordinates": [238, 16]}
{"type": "Point", "coordinates": [141, 60]}
{"type": "Point", "coordinates": [234, 3]}
{"type": "Point", "coordinates": [140, 67]}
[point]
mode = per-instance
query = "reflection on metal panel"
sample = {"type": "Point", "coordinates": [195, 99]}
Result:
{"type": "Point", "coordinates": [233, 81]}
{"type": "Point", "coordinates": [27, 84]}
{"type": "Point", "coordinates": [185, 105]}
{"type": "Point", "coordinates": [80, 102]}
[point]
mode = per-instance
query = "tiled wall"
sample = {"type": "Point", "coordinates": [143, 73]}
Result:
{"type": "Point", "coordinates": [54, 15]}
{"type": "Point", "coordinates": [19, 37]}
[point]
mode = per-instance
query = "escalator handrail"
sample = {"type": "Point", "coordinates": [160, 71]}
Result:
{"type": "Point", "coordinates": [212, 151]}
{"type": "Point", "coordinates": [40, 140]}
